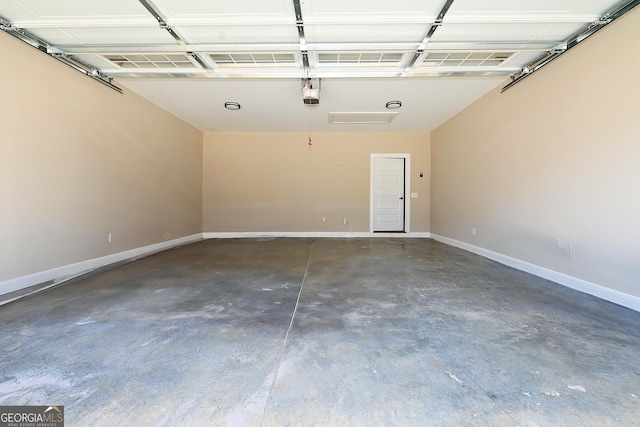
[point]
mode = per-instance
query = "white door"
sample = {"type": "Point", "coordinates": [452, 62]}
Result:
{"type": "Point", "coordinates": [388, 194]}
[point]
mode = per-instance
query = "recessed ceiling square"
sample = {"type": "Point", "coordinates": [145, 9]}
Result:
{"type": "Point", "coordinates": [362, 118]}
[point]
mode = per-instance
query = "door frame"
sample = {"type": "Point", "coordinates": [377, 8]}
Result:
{"type": "Point", "coordinates": [407, 187]}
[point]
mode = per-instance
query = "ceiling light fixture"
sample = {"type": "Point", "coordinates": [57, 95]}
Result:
{"type": "Point", "coordinates": [394, 105]}
{"type": "Point", "coordinates": [231, 105]}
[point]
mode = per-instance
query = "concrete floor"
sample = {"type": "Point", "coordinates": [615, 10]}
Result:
{"type": "Point", "coordinates": [386, 332]}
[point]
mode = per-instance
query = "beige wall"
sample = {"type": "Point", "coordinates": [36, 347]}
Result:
{"type": "Point", "coordinates": [78, 161]}
{"type": "Point", "coordinates": [273, 182]}
{"type": "Point", "coordinates": [557, 155]}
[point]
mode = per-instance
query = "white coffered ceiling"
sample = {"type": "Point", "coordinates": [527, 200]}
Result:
{"type": "Point", "coordinates": [190, 56]}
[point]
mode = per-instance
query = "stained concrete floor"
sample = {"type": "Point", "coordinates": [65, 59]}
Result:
{"type": "Point", "coordinates": [385, 332]}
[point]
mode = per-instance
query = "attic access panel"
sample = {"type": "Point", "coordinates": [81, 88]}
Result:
{"type": "Point", "coordinates": [361, 118]}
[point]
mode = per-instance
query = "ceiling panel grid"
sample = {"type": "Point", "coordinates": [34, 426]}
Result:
{"type": "Point", "coordinates": [329, 38]}
{"type": "Point", "coordinates": [191, 56]}
{"type": "Point", "coordinates": [305, 39]}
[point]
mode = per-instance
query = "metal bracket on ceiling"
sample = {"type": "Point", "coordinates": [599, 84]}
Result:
{"type": "Point", "coordinates": [303, 41]}
{"type": "Point", "coordinates": [197, 59]}
{"type": "Point", "coordinates": [78, 65]}
{"type": "Point", "coordinates": [25, 36]}
{"type": "Point", "coordinates": [6, 25]}
{"type": "Point", "coordinates": [414, 59]}
{"type": "Point", "coordinates": [162, 22]}
{"type": "Point", "coordinates": [86, 69]}
{"type": "Point", "coordinates": [614, 13]}
{"type": "Point", "coordinates": [299, 21]}
{"type": "Point", "coordinates": [154, 11]}
{"type": "Point", "coordinates": [436, 24]}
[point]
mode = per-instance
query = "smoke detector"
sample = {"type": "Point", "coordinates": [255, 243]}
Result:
{"type": "Point", "coordinates": [311, 92]}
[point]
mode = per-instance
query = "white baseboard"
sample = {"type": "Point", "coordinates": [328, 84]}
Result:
{"type": "Point", "coordinates": [66, 272]}
{"type": "Point", "coordinates": [599, 291]}
{"type": "Point", "coordinates": [307, 234]}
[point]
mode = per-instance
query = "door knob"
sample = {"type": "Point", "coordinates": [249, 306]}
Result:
{"type": "Point", "coordinates": [401, 198]}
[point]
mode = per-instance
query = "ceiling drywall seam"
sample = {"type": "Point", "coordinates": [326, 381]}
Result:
{"type": "Point", "coordinates": [592, 28]}
{"type": "Point", "coordinates": [41, 45]}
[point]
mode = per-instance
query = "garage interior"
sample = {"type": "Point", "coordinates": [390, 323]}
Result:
{"type": "Point", "coordinates": [198, 225]}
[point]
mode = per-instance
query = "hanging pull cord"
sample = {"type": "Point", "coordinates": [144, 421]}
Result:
{"type": "Point", "coordinates": [310, 142]}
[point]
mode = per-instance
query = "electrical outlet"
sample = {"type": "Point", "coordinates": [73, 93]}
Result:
{"type": "Point", "coordinates": [473, 231]}
{"type": "Point", "coordinates": [109, 238]}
